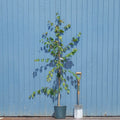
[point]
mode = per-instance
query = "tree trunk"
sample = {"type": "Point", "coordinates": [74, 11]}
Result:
{"type": "Point", "coordinates": [59, 94]}
{"type": "Point", "coordinates": [59, 79]}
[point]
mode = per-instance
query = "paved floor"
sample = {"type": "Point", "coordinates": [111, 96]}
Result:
{"type": "Point", "coordinates": [51, 118]}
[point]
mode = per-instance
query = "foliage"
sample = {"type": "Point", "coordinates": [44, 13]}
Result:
{"type": "Point", "coordinates": [56, 48]}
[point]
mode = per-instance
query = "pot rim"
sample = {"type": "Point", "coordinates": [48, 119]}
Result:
{"type": "Point", "coordinates": [61, 106]}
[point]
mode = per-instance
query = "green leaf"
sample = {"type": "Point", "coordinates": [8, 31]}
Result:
{"type": "Point", "coordinates": [63, 83]}
{"type": "Point", "coordinates": [33, 95]}
{"type": "Point", "coordinates": [48, 91]}
{"type": "Point", "coordinates": [52, 70]}
{"type": "Point", "coordinates": [56, 13]}
{"type": "Point", "coordinates": [37, 60]}
{"type": "Point", "coordinates": [65, 80]}
{"type": "Point", "coordinates": [57, 34]}
{"type": "Point", "coordinates": [60, 37]}
{"type": "Point", "coordinates": [75, 40]}
{"type": "Point", "coordinates": [51, 75]}
{"type": "Point", "coordinates": [51, 24]}
{"type": "Point", "coordinates": [57, 27]}
{"type": "Point", "coordinates": [58, 17]}
{"type": "Point", "coordinates": [77, 77]}
{"type": "Point", "coordinates": [75, 50]}
{"type": "Point", "coordinates": [42, 60]}
{"type": "Point", "coordinates": [79, 34]}
{"type": "Point", "coordinates": [30, 97]}
{"type": "Point", "coordinates": [69, 25]}
{"type": "Point", "coordinates": [61, 64]}
{"type": "Point", "coordinates": [46, 33]}
{"type": "Point", "coordinates": [47, 43]}
{"type": "Point", "coordinates": [51, 38]}
{"type": "Point", "coordinates": [53, 53]}
{"type": "Point", "coordinates": [61, 31]}
{"type": "Point", "coordinates": [45, 90]}
{"type": "Point", "coordinates": [65, 88]}
{"type": "Point", "coordinates": [49, 79]}
{"type": "Point", "coordinates": [74, 74]}
{"type": "Point", "coordinates": [52, 92]}
{"type": "Point", "coordinates": [39, 92]}
{"type": "Point", "coordinates": [71, 43]}
{"type": "Point", "coordinates": [47, 60]}
{"type": "Point", "coordinates": [60, 21]}
{"type": "Point", "coordinates": [68, 91]}
{"type": "Point", "coordinates": [67, 85]}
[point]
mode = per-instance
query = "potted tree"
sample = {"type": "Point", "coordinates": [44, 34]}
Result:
{"type": "Point", "coordinates": [56, 48]}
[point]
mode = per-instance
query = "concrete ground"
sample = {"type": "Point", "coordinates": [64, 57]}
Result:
{"type": "Point", "coordinates": [51, 118]}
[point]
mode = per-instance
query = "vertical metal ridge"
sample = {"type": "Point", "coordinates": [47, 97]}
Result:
{"type": "Point", "coordinates": [18, 53]}
{"type": "Point", "coordinates": [13, 50]}
{"type": "Point", "coordinates": [34, 40]}
{"type": "Point", "coordinates": [115, 62]}
{"type": "Point", "coordinates": [81, 50]}
{"type": "Point", "coordinates": [7, 57]}
{"type": "Point", "coordinates": [113, 55]}
{"type": "Point", "coordinates": [89, 21]}
{"type": "Point", "coordinates": [2, 98]}
{"type": "Point", "coordinates": [3, 63]}
{"type": "Point", "coordinates": [8, 54]}
{"type": "Point", "coordinates": [40, 45]}
{"type": "Point", "coordinates": [107, 48]}
{"type": "Point", "coordinates": [86, 55]}
{"type": "Point", "coordinates": [22, 67]}
{"type": "Point", "coordinates": [76, 29]}
{"type": "Point", "coordinates": [73, 33]}
{"type": "Point", "coordinates": [44, 54]}
{"type": "Point", "coordinates": [108, 54]}
{"type": "Point", "coordinates": [55, 6]}
{"type": "Point", "coordinates": [23, 56]}
{"type": "Point", "coordinates": [60, 7]}
{"type": "Point", "coordinates": [118, 60]}
{"type": "Point", "coordinates": [102, 50]}
{"type": "Point", "coordinates": [39, 48]}
{"type": "Point", "coordinates": [92, 59]}
{"type": "Point", "coordinates": [29, 45]}
{"type": "Point", "coordinates": [104, 64]}
{"type": "Point", "coordinates": [50, 9]}
{"type": "Point", "coordinates": [113, 70]}
{"type": "Point", "coordinates": [46, 19]}
{"type": "Point", "coordinates": [97, 57]}
{"type": "Point", "coordinates": [0, 58]}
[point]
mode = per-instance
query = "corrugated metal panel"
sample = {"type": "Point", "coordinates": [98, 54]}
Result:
{"type": "Point", "coordinates": [21, 24]}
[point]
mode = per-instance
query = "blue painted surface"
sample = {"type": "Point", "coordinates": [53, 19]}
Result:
{"type": "Point", "coordinates": [21, 24]}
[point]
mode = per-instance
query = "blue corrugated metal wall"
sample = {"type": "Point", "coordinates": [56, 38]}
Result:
{"type": "Point", "coordinates": [21, 24]}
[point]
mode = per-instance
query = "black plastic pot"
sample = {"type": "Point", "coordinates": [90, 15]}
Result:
{"type": "Point", "coordinates": [60, 112]}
